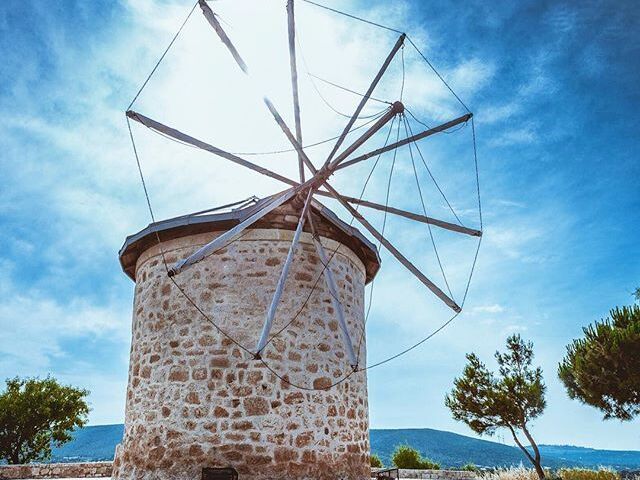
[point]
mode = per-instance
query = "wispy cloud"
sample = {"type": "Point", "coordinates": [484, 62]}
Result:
{"type": "Point", "coordinates": [69, 192]}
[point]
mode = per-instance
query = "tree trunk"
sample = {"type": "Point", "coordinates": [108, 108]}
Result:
{"type": "Point", "coordinates": [534, 460]}
{"type": "Point", "coordinates": [536, 452]}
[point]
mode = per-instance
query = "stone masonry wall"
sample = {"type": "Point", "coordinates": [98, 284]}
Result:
{"type": "Point", "coordinates": [438, 474]}
{"type": "Point", "coordinates": [57, 470]}
{"type": "Point", "coordinates": [195, 399]}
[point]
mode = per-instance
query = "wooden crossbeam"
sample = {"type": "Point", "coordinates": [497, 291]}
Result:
{"type": "Point", "coordinates": [393, 250]}
{"type": "Point", "coordinates": [229, 235]}
{"type": "Point", "coordinates": [294, 81]}
{"type": "Point", "coordinates": [183, 137]}
{"type": "Point", "coordinates": [381, 122]}
{"type": "Point", "coordinates": [366, 97]}
{"type": "Point", "coordinates": [275, 301]}
{"type": "Point", "coordinates": [283, 126]}
{"type": "Point", "coordinates": [410, 215]}
{"type": "Point", "coordinates": [333, 291]}
{"type": "Point", "coordinates": [297, 144]}
{"type": "Point", "coordinates": [413, 138]}
{"type": "Point", "coordinates": [213, 21]}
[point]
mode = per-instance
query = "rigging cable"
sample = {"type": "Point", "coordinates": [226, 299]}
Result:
{"type": "Point", "coordinates": [360, 19]}
{"type": "Point", "coordinates": [273, 152]}
{"type": "Point", "coordinates": [163, 55]}
{"type": "Point", "coordinates": [434, 179]}
{"type": "Point", "coordinates": [342, 87]}
{"type": "Point", "coordinates": [424, 210]}
{"type": "Point", "coordinates": [353, 16]}
{"type": "Point", "coordinates": [335, 251]}
{"type": "Point", "coordinates": [317, 90]}
{"type": "Point", "coordinates": [384, 224]}
{"type": "Point", "coordinates": [424, 124]}
{"type": "Point", "coordinates": [471, 272]}
{"type": "Point", "coordinates": [207, 317]}
{"type": "Point", "coordinates": [164, 260]}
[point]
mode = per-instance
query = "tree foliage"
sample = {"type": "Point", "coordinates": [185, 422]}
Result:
{"type": "Point", "coordinates": [36, 414]}
{"type": "Point", "coordinates": [375, 461]}
{"type": "Point", "coordinates": [603, 368]}
{"type": "Point", "coordinates": [486, 401]}
{"type": "Point", "coordinates": [405, 456]}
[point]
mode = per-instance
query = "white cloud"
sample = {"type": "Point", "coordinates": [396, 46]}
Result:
{"type": "Point", "coordinates": [86, 180]}
{"type": "Point", "coordinates": [494, 308]}
{"type": "Point", "coordinates": [515, 136]}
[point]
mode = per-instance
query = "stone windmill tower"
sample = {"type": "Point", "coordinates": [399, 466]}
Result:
{"type": "Point", "coordinates": [248, 325]}
{"type": "Point", "coordinates": [195, 399]}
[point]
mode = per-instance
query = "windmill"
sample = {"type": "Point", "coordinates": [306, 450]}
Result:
{"type": "Point", "coordinates": [314, 182]}
{"type": "Point", "coordinates": [197, 401]}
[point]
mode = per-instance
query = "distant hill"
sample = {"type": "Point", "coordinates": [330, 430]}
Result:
{"type": "Point", "coordinates": [90, 444]}
{"type": "Point", "coordinates": [449, 449]}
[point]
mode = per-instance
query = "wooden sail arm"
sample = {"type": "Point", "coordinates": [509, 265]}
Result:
{"type": "Point", "coordinates": [333, 292]}
{"type": "Point", "coordinates": [413, 138]}
{"type": "Point", "coordinates": [410, 215]}
{"type": "Point", "coordinates": [230, 235]}
{"type": "Point", "coordinates": [213, 21]}
{"type": "Point", "coordinates": [183, 137]}
{"type": "Point", "coordinates": [224, 38]}
{"type": "Point", "coordinates": [395, 109]}
{"type": "Point", "coordinates": [291, 27]}
{"type": "Point", "coordinates": [275, 301]}
{"type": "Point", "coordinates": [366, 97]}
{"type": "Point", "coordinates": [394, 251]}
{"type": "Point", "coordinates": [283, 126]}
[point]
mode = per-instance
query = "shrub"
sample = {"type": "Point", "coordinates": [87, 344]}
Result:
{"type": "Point", "coordinates": [427, 464]}
{"type": "Point", "coordinates": [586, 474]}
{"type": "Point", "coordinates": [470, 467]}
{"type": "Point", "coordinates": [375, 461]}
{"type": "Point", "coordinates": [405, 456]}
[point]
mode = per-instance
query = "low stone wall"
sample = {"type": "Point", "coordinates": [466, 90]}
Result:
{"type": "Point", "coordinates": [438, 474]}
{"type": "Point", "coordinates": [104, 469]}
{"type": "Point", "coordinates": [57, 470]}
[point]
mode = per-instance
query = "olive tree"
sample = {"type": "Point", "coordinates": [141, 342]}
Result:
{"type": "Point", "coordinates": [603, 368]}
{"type": "Point", "coordinates": [36, 414]}
{"type": "Point", "coordinates": [511, 399]}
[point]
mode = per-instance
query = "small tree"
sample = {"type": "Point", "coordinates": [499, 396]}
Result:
{"type": "Point", "coordinates": [603, 368]}
{"type": "Point", "coordinates": [511, 400]}
{"type": "Point", "coordinates": [34, 414]}
{"type": "Point", "coordinates": [375, 461]}
{"type": "Point", "coordinates": [408, 457]}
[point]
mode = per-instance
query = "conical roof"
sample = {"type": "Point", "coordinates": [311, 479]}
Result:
{"type": "Point", "coordinates": [285, 217]}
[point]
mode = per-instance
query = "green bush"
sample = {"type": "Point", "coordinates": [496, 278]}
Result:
{"type": "Point", "coordinates": [405, 456]}
{"type": "Point", "coordinates": [586, 474]}
{"type": "Point", "coordinates": [470, 467]}
{"type": "Point", "coordinates": [375, 461]}
{"type": "Point", "coordinates": [427, 464]}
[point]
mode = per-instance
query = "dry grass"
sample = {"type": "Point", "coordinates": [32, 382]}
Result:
{"type": "Point", "coordinates": [513, 473]}
{"type": "Point", "coordinates": [585, 474]}
{"type": "Point", "coordinates": [522, 473]}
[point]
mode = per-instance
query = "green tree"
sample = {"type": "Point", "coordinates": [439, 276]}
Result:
{"type": "Point", "coordinates": [408, 457]}
{"type": "Point", "coordinates": [511, 399]}
{"type": "Point", "coordinates": [602, 369]}
{"type": "Point", "coordinates": [34, 414]}
{"type": "Point", "coordinates": [375, 461]}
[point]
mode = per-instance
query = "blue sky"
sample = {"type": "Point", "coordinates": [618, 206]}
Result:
{"type": "Point", "coordinates": [554, 89]}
